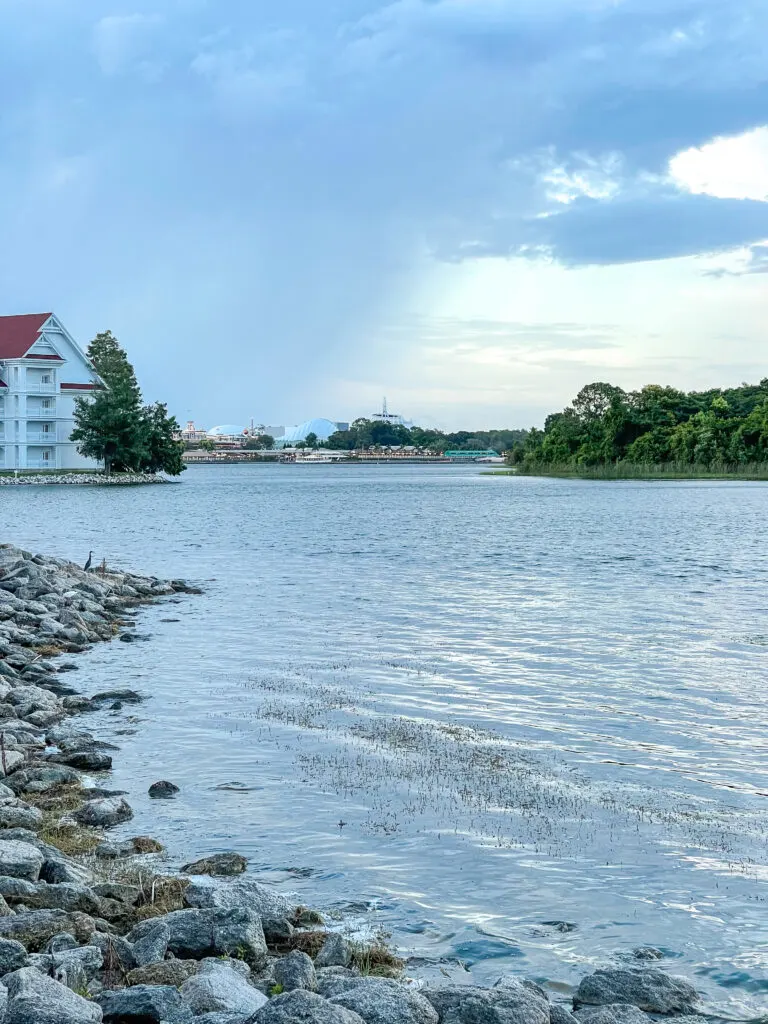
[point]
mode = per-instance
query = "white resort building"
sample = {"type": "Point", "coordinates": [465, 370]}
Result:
{"type": "Point", "coordinates": [42, 371]}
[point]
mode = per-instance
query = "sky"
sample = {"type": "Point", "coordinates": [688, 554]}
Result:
{"type": "Point", "coordinates": [289, 208]}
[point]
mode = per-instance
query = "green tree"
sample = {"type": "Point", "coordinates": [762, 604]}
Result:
{"type": "Point", "coordinates": [108, 426]}
{"type": "Point", "coordinates": [161, 449]}
{"type": "Point", "coordinates": [208, 444]}
{"type": "Point", "coordinates": [311, 440]}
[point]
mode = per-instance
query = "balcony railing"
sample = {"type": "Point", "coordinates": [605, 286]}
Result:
{"type": "Point", "coordinates": [41, 414]}
{"type": "Point", "coordinates": [40, 437]}
{"type": "Point", "coordinates": [41, 463]}
{"type": "Point", "coordinates": [36, 387]}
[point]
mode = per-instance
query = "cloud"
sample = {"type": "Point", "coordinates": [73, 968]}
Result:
{"type": "Point", "coordinates": [735, 167]}
{"type": "Point", "coordinates": [283, 175]}
{"type": "Point", "coordinates": [120, 42]}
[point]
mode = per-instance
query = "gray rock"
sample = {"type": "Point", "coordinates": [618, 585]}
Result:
{"type": "Point", "coordinates": [40, 780]}
{"type": "Point", "coordinates": [12, 956]}
{"type": "Point", "coordinates": [34, 998]}
{"type": "Point", "coordinates": [153, 943]}
{"type": "Point", "coordinates": [240, 892]}
{"type": "Point", "coordinates": [199, 933]}
{"type": "Point", "coordinates": [104, 813]}
{"type": "Point", "coordinates": [72, 967]}
{"type": "Point", "coordinates": [612, 1013]}
{"type": "Point", "coordinates": [35, 928]}
{"type": "Point", "coordinates": [647, 953]}
{"type": "Point", "coordinates": [64, 896]}
{"type": "Point", "coordinates": [276, 929]}
{"type": "Point", "coordinates": [331, 981]}
{"type": "Point", "coordinates": [121, 891]}
{"type": "Point", "coordinates": [20, 860]}
{"type": "Point", "coordinates": [163, 790]}
{"type": "Point", "coordinates": [295, 971]}
{"type": "Point", "coordinates": [85, 760]}
{"type": "Point", "coordinates": [302, 1007]}
{"type": "Point", "coordinates": [16, 814]}
{"type": "Point", "coordinates": [217, 987]}
{"type": "Point", "coordinates": [16, 890]}
{"type": "Point", "coordinates": [117, 952]}
{"type": "Point", "coordinates": [166, 972]}
{"type": "Point", "coordinates": [559, 1014]}
{"type": "Point", "coordinates": [513, 1003]}
{"type": "Point", "coordinates": [222, 864]}
{"type": "Point", "coordinates": [126, 696]}
{"type": "Point", "coordinates": [56, 870]}
{"type": "Point", "coordinates": [651, 990]}
{"type": "Point", "coordinates": [61, 942]}
{"type": "Point", "coordinates": [380, 1001]}
{"type": "Point", "coordinates": [143, 1004]}
{"type": "Point", "coordinates": [336, 952]}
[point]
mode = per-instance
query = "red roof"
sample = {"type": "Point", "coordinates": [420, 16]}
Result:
{"type": "Point", "coordinates": [19, 333]}
{"type": "Point", "coordinates": [81, 387]}
{"type": "Point", "coordinates": [3, 384]}
{"type": "Point", "coordinates": [43, 355]}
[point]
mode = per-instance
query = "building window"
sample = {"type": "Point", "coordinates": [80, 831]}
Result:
{"type": "Point", "coordinates": [46, 403]}
{"type": "Point", "coordinates": [45, 379]}
{"type": "Point", "coordinates": [46, 456]}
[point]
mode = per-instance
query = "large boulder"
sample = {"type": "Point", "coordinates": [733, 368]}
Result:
{"type": "Point", "coordinates": [35, 928]}
{"type": "Point", "coordinates": [217, 988]}
{"type": "Point", "coordinates": [559, 1014]}
{"type": "Point", "coordinates": [16, 814]}
{"type": "Point", "coordinates": [152, 944]}
{"type": "Point", "coordinates": [302, 1007]}
{"type": "Point", "coordinates": [295, 971]}
{"type": "Point", "coordinates": [224, 864]}
{"type": "Point", "coordinates": [20, 860]}
{"type": "Point", "coordinates": [64, 896]}
{"type": "Point", "coordinates": [105, 812]}
{"type": "Point", "coordinates": [34, 998]}
{"type": "Point", "coordinates": [199, 933]}
{"type": "Point", "coordinates": [244, 892]}
{"type": "Point", "coordinates": [651, 990]}
{"type": "Point", "coordinates": [336, 952]}
{"type": "Point", "coordinates": [41, 780]}
{"type": "Point", "coordinates": [505, 1004]}
{"type": "Point", "coordinates": [144, 1004]}
{"type": "Point", "coordinates": [380, 1001]}
{"type": "Point", "coordinates": [612, 1013]}
{"type": "Point", "coordinates": [12, 957]}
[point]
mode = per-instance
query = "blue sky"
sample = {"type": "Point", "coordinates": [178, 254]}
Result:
{"type": "Point", "coordinates": [286, 208]}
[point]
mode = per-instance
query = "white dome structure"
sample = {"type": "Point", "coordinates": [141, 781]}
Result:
{"type": "Point", "coordinates": [321, 428]}
{"type": "Point", "coordinates": [226, 430]}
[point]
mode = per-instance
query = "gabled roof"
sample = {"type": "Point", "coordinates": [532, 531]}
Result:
{"type": "Point", "coordinates": [19, 333]}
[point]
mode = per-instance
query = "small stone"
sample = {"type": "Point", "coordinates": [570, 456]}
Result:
{"type": "Point", "coordinates": [20, 860]}
{"type": "Point", "coordinates": [144, 1004]}
{"type": "Point", "coordinates": [217, 987]}
{"type": "Point", "coordinates": [336, 952]}
{"type": "Point", "coordinates": [13, 956]}
{"type": "Point", "coordinates": [308, 1008]}
{"type": "Point", "coordinates": [651, 990]}
{"type": "Point", "coordinates": [612, 1013]}
{"type": "Point", "coordinates": [153, 943]}
{"type": "Point", "coordinates": [226, 864]}
{"type": "Point", "coordinates": [295, 971]}
{"type": "Point", "coordinates": [104, 813]}
{"type": "Point", "coordinates": [163, 790]}
{"type": "Point", "coordinates": [86, 760]}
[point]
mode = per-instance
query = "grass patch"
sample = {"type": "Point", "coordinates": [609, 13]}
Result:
{"type": "Point", "coordinates": [57, 800]}
{"type": "Point", "coordinates": [160, 895]}
{"type": "Point", "coordinates": [48, 651]}
{"type": "Point", "coordinates": [641, 471]}
{"type": "Point", "coordinates": [307, 942]}
{"type": "Point", "coordinates": [376, 958]}
{"type": "Point", "coordinates": [70, 839]}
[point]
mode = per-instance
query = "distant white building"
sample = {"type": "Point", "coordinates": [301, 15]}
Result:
{"type": "Point", "coordinates": [392, 418]}
{"type": "Point", "coordinates": [42, 371]}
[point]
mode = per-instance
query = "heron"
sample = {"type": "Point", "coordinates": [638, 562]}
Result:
{"type": "Point", "coordinates": [87, 565]}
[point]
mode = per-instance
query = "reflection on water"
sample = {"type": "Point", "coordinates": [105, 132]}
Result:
{"type": "Point", "coordinates": [519, 723]}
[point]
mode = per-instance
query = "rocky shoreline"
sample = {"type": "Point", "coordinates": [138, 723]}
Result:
{"type": "Point", "coordinates": [92, 930]}
{"type": "Point", "coordinates": [82, 479]}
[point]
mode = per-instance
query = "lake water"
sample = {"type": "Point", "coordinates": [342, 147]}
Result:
{"type": "Point", "coordinates": [518, 723]}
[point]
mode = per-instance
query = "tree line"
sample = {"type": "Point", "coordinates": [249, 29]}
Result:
{"type": "Point", "coordinates": [657, 425]}
{"type": "Point", "coordinates": [365, 433]}
{"type": "Point", "coordinates": [115, 427]}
